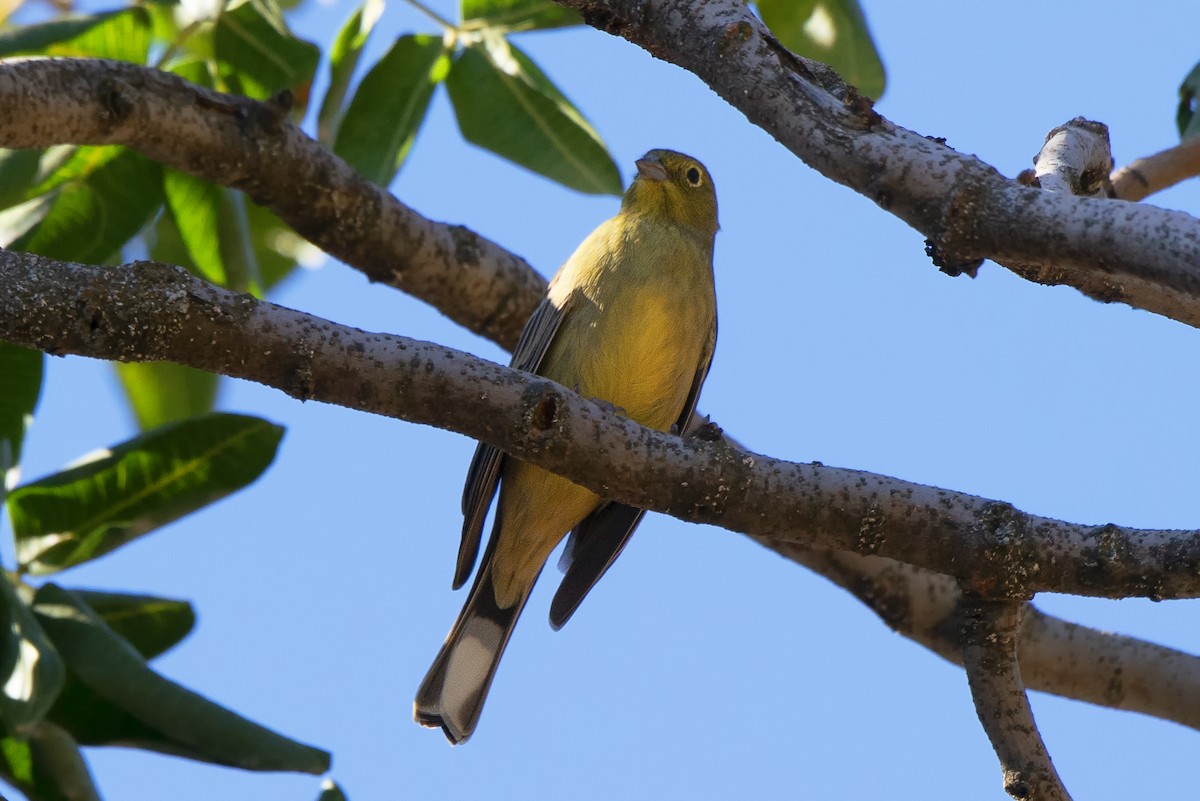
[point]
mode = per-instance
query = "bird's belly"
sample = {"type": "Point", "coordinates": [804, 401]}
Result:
{"type": "Point", "coordinates": [648, 371]}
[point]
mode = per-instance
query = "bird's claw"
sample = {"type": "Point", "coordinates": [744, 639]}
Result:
{"type": "Point", "coordinates": [610, 407]}
{"type": "Point", "coordinates": [708, 432]}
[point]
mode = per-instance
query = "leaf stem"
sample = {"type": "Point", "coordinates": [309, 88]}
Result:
{"type": "Point", "coordinates": [433, 15]}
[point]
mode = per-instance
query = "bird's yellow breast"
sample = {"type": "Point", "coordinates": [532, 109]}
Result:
{"type": "Point", "coordinates": [639, 318]}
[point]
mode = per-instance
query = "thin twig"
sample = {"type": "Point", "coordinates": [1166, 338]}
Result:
{"type": "Point", "coordinates": [1145, 176]}
{"type": "Point", "coordinates": [433, 15]}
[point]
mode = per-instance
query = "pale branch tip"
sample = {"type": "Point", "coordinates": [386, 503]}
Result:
{"type": "Point", "coordinates": [1145, 176]}
{"type": "Point", "coordinates": [1076, 159]}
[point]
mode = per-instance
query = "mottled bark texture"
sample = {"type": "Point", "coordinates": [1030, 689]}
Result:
{"type": "Point", "coordinates": [903, 549]}
{"type": "Point", "coordinates": [252, 146]}
{"type": "Point", "coordinates": [1110, 250]}
{"type": "Point", "coordinates": [149, 311]}
{"type": "Point", "coordinates": [989, 634]}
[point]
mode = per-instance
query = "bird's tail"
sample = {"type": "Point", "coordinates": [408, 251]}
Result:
{"type": "Point", "coordinates": [454, 689]}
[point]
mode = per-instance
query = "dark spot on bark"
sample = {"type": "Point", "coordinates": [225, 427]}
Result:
{"type": "Point", "coordinates": [281, 102]}
{"type": "Point", "coordinates": [1107, 292]}
{"type": "Point", "coordinates": [1114, 692]}
{"type": "Point", "coordinates": [951, 264]}
{"type": "Point", "coordinates": [1029, 178]}
{"type": "Point", "coordinates": [1017, 788]}
{"type": "Point", "coordinates": [544, 413]}
{"type": "Point", "coordinates": [116, 103]}
{"type": "Point", "coordinates": [466, 245]}
{"type": "Point", "coordinates": [734, 36]}
{"type": "Point", "coordinates": [862, 107]}
{"type": "Point", "coordinates": [299, 383]}
{"type": "Point", "coordinates": [602, 19]}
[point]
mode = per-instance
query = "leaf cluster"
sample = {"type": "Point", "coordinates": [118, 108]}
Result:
{"type": "Point", "coordinates": [74, 663]}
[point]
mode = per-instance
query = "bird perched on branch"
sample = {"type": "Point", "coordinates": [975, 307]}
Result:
{"type": "Point", "coordinates": [630, 320]}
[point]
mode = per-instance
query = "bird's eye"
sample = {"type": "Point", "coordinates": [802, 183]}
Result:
{"type": "Point", "coordinates": [693, 176]}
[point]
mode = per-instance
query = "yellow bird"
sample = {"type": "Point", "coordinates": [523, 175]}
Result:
{"type": "Point", "coordinates": [630, 319]}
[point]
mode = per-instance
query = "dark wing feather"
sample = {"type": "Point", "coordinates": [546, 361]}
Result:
{"type": "Point", "coordinates": [483, 476]}
{"type": "Point", "coordinates": [599, 539]}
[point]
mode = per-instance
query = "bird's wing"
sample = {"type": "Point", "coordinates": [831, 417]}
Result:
{"type": "Point", "coordinates": [484, 473]}
{"type": "Point", "coordinates": [599, 539]}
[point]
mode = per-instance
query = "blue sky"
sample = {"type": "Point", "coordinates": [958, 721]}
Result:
{"type": "Point", "coordinates": [705, 666]}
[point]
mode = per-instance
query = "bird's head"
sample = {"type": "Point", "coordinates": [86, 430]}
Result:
{"type": "Point", "coordinates": [674, 188]}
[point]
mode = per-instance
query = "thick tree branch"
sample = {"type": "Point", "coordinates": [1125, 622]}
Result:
{"type": "Point", "coordinates": [149, 311]}
{"type": "Point", "coordinates": [989, 632]}
{"type": "Point", "coordinates": [1055, 656]}
{"type": "Point", "coordinates": [253, 147]}
{"type": "Point", "coordinates": [236, 142]}
{"type": "Point", "coordinates": [1110, 250]}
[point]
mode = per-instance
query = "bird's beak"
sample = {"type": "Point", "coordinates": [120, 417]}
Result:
{"type": "Point", "coordinates": [651, 170]}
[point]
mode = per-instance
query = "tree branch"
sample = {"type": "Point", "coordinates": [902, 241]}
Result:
{"type": "Point", "coordinates": [1143, 177]}
{"type": "Point", "coordinates": [1109, 250]}
{"type": "Point", "coordinates": [1076, 158]}
{"type": "Point", "coordinates": [244, 144]}
{"type": "Point", "coordinates": [1055, 656]}
{"type": "Point", "coordinates": [148, 311]}
{"type": "Point", "coordinates": [252, 146]}
{"type": "Point", "coordinates": [989, 633]}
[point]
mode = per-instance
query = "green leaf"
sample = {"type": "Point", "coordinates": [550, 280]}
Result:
{"type": "Point", "coordinates": [104, 196]}
{"type": "Point", "coordinates": [277, 248]}
{"type": "Point", "coordinates": [195, 69]}
{"type": "Point", "coordinates": [252, 40]}
{"type": "Point", "coordinates": [137, 486]}
{"type": "Point", "coordinates": [47, 766]}
{"type": "Point", "coordinates": [19, 170]}
{"type": "Point", "coordinates": [831, 31]}
{"type": "Point", "coordinates": [17, 223]}
{"type": "Point", "coordinates": [123, 35]}
{"type": "Point", "coordinates": [20, 387]}
{"type": "Point", "coordinates": [343, 59]}
{"type": "Point", "coordinates": [331, 792]}
{"type": "Point", "coordinates": [517, 15]}
{"type": "Point", "coordinates": [390, 105]}
{"type": "Point", "coordinates": [237, 244]}
{"type": "Point", "coordinates": [1187, 117]}
{"type": "Point", "coordinates": [150, 624]}
{"type": "Point", "coordinates": [505, 104]}
{"type": "Point", "coordinates": [195, 205]}
{"type": "Point", "coordinates": [31, 673]}
{"type": "Point", "coordinates": [185, 722]}
{"type": "Point", "coordinates": [257, 248]}
{"type": "Point", "coordinates": [165, 392]}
